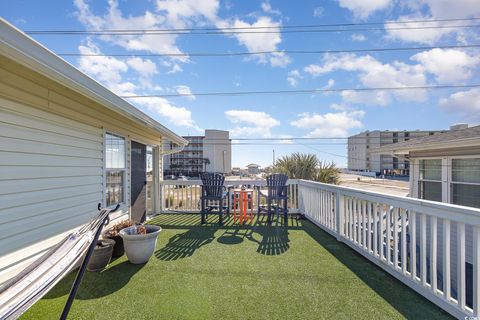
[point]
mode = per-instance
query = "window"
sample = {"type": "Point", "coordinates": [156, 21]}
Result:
{"type": "Point", "coordinates": [430, 182]}
{"type": "Point", "coordinates": [115, 169]}
{"type": "Point", "coordinates": [465, 185]}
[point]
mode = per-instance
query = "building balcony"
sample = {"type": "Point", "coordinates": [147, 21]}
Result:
{"type": "Point", "coordinates": [355, 254]}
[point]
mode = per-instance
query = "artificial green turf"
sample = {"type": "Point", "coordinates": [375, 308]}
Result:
{"type": "Point", "coordinates": [233, 272]}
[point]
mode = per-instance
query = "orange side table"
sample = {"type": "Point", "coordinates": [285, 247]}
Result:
{"type": "Point", "coordinates": [242, 205]}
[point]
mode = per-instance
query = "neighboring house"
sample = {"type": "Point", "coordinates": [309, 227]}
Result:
{"type": "Point", "coordinates": [445, 168]}
{"type": "Point", "coordinates": [66, 144]}
{"type": "Point", "coordinates": [211, 152]}
{"type": "Point", "coordinates": [361, 158]}
{"type": "Point", "coordinates": [253, 168]}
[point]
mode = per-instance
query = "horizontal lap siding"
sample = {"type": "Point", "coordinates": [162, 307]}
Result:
{"type": "Point", "coordinates": [50, 178]}
{"type": "Point", "coordinates": [51, 161]}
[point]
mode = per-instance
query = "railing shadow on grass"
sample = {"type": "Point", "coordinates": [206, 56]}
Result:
{"type": "Point", "coordinates": [97, 284]}
{"type": "Point", "coordinates": [406, 301]}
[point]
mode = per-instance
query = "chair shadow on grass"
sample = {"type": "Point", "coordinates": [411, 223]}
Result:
{"type": "Point", "coordinates": [274, 240]}
{"type": "Point", "coordinates": [406, 301]}
{"type": "Point", "coordinates": [185, 244]}
{"type": "Point", "coordinates": [97, 284]}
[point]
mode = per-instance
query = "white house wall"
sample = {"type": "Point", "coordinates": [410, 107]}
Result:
{"type": "Point", "coordinates": [51, 162]}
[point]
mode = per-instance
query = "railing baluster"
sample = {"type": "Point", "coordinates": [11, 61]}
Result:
{"type": "Point", "coordinates": [423, 249]}
{"type": "Point", "coordinates": [403, 214]}
{"type": "Point", "coordinates": [364, 225]}
{"type": "Point", "coordinates": [412, 224]}
{"type": "Point", "coordinates": [433, 253]}
{"type": "Point", "coordinates": [395, 237]}
{"type": "Point", "coordinates": [388, 231]}
{"type": "Point", "coordinates": [476, 271]}
{"type": "Point", "coordinates": [369, 226]}
{"type": "Point", "coordinates": [446, 260]}
{"type": "Point", "coordinates": [461, 264]}
{"type": "Point", "coordinates": [381, 251]}
{"type": "Point", "coordinates": [350, 218]}
{"type": "Point", "coordinates": [375, 229]}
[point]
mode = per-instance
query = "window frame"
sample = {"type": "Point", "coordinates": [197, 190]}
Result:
{"type": "Point", "coordinates": [106, 170]}
{"type": "Point", "coordinates": [446, 175]}
{"type": "Point", "coordinates": [419, 180]}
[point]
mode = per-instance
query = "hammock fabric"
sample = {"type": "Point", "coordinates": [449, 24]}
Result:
{"type": "Point", "coordinates": [21, 292]}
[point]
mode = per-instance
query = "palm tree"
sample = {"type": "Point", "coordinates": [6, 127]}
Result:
{"type": "Point", "coordinates": [308, 167]}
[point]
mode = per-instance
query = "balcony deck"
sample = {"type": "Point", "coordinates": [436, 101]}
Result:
{"type": "Point", "coordinates": [240, 272]}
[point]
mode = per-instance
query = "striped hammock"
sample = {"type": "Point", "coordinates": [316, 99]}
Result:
{"type": "Point", "coordinates": [21, 292]}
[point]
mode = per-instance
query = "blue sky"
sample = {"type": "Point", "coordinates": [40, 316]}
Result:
{"type": "Point", "coordinates": [273, 116]}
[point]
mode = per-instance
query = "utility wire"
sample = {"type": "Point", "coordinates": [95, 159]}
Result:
{"type": "Point", "coordinates": [228, 54]}
{"type": "Point", "coordinates": [133, 33]}
{"type": "Point", "coordinates": [243, 93]}
{"type": "Point", "coordinates": [254, 27]}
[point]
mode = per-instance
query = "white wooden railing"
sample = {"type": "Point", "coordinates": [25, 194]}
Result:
{"type": "Point", "coordinates": [184, 196]}
{"type": "Point", "coordinates": [424, 244]}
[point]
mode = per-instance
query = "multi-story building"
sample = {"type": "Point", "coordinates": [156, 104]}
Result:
{"type": "Point", "coordinates": [211, 152]}
{"type": "Point", "coordinates": [361, 157]}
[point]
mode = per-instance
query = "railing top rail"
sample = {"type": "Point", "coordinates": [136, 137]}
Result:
{"type": "Point", "coordinates": [227, 182]}
{"type": "Point", "coordinates": [449, 211]}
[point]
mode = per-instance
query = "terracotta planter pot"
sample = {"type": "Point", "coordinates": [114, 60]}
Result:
{"type": "Point", "coordinates": [140, 247]}
{"type": "Point", "coordinates": [101, 255]}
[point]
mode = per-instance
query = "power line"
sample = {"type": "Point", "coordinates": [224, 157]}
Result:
{"type": "Point", "coordinates": [227, 54]}
{"type": "Point", "coordinates": [254, 27]}
{"type": "Point", "coordinates": [216, 32]}
{"type": "Point", "coordinates": [243, 93]}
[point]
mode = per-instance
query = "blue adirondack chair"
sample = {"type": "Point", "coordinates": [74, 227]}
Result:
{"type": "Point", "coordinates": [276, 197]}
{"type": "Point", "coordinates": [213, 190]}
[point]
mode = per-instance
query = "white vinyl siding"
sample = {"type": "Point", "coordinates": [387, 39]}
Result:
{"type": "Point", "coordinates": [50, 176]}
{"type": "Point", "coordinates": [52, 172]}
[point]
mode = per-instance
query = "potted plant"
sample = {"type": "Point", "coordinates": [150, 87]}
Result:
{"type": "Point", "coordinates": [113, 233]}
{"type": "Point", "coordinates": [102, 253]}
{"type": "Point", "coordinates": [139, 242]}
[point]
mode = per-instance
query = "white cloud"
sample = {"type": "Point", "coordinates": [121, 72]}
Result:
{"type": "Point", "coordinates": [170, 13]}
{"type": "Point", "coordinates": [466, 103]}
{"type": "Point", "coordinates": [267, 7]}
{"type": "Point", "coordinates": [185, 90]}
{"type": "Point", "coordinates": [107, 70]}
{"type": "Point", "coordinates": [293, 77]}
{"type": "Point", "coordinates": [358, 37]}
{"type": "Point", "coordinates": [180, 12]}
{"type": "Point", "coordinates": [436, 9]}
{"type": "Point", "coordinates": [145, 67]}
{"type": "Point", "coordinates": [330, 84]}
{"type": "Point", "coordinates": [426, 36]}
{"type": "Point", "coordinates": [374, 74]}
{"type": "Point", "coordinates": [255, 42]}
{"type": "Point", "coordinates": [179, 116]}
{"type": "Point", "coordinates": [110, 71]}
{"type": "Point", "coordinates": [448, 65]}
{"type": "Point", "coordinates": [329, 124]}
{"type": "Point", "coordinates": [318, 12]}
{"type": "Point", "coordinates": [453, 9]}
{"type": "Point", "coordinates": [363, 8]}
{"type": "Point", "coordinates": [251, 123]}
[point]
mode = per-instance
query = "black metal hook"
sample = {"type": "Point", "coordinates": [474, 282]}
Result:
{"type": "Point", "coordinates": [99, 207]}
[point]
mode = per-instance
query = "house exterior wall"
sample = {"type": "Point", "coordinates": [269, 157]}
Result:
{"type": "Point", "coordinates": [446, 155]}
{"type": "Point", "coordinates": [52, 162]}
